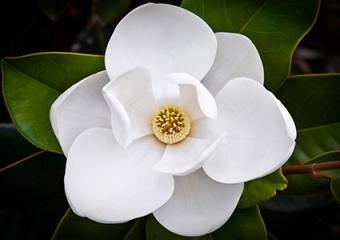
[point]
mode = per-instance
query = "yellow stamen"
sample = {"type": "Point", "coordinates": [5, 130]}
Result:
{"type": "Point", "coordinates": [171, 124]}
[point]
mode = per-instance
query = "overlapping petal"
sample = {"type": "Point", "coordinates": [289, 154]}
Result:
{"type": "Point", "coordinates": [187, 156]}
{"type": "Point", "coordinates": [110, 184]}
{"type": "Point", "coordinates": [132, 104]}
{"type": "Point", "coordinates": [194, 97]}
{"type": "Point", "coordinates": [260, 135]}
{"type": "Point", "coordinates": [164, 39]}
{"type": "Point", "coordinates": [81, 107]}
{"type": "Point", "coordinates": [199, 205]}
{"type": "Point", "coordinates": [236, 56]}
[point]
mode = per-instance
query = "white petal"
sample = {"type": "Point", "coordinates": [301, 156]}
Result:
{"type": "Point", "coordinates": [110, 184]}
{"type": "Point", "coordinates": [164, 39]}
{"type": "Point", "coordinates": [236, 57]}
{"type": "Point", "coordinates": [207, 128]}
{"type": "Point", "coordinates": [80, 107]}
{"type": "Point", "coordinates": [194, 97]}
{"type": "Point", "coordinates": [187, 156]}
{"type": "Point", "coordinates": [132, 105]}
{"type": "Point", "coordinates": [199, 205]}
{"type": "Point", "coordinates": [291, 128]}
{"type": "Point", "coordinates": [258, 141]}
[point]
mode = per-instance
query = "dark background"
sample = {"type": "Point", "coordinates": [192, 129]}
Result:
{"type": "Point", "coordinates": [85, 26]}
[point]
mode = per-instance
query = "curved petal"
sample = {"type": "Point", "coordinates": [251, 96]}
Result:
{"type": "Point", "coordinates": [163, 39]}
{"type": "Point", "coordinates": [207, 128]}
{"type": "Point", "coordinates": [80, 107]}
{"type": "Point", "coordinates": [132, 105]}
{"type": "Point", "coordinates": [110, 184]}
{"type": "Point", "coordinates": [258, 141]}
{"type": "Point", "coordinates": [291, 128]}
{"type": "Point", "coordinates": [236, 56]}
{"type": "Point", "coordinates": [199, 205]}
{"type": "Point", "coordinates": [187, 156]}
{"type": "Point", "coordinates": [194, 97]}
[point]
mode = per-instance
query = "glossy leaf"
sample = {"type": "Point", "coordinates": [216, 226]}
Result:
{"type": "Point", "coordinates": [314, 144]}
{"type": "Point", "coordinates": [30, 85]}
{"type": "Point", "coordinates": [313, 101]}
{"type": "Point", "coordinates": [335, 189]}
{"type": "Point", "coordinates": [137, 231]}
{"type": "Point", "coordinates": [155, 231]}
{"type": "Point", "coordinates": [244, 224]}
{"type": "Point", "coordinates": [262, 189]}
{"type": "Point", "coordinates": [13, 146]}
{"type": "Point", "coordinates": [334, 176]}
{"type": "Point", "coordinates": [32, 196]}
{"type": "Point", "coordinates": [275, 27]}
{"type": "Point", "coordinates": [72, 226]}
{"type": "Point", "coordinates": [301, 184]}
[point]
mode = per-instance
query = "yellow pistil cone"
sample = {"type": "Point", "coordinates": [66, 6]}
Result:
{"type": "Point", "coordinates": [171, 124]}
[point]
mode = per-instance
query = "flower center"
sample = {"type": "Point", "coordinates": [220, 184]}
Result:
{"type": "Point", "coordinates": [171, 124]}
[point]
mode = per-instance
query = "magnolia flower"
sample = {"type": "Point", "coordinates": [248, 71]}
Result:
{"type": "Point", "coordinates": [176, 124]}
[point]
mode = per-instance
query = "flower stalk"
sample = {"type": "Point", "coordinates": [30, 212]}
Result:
{"type": "Point", "coordinates": [312, 168]}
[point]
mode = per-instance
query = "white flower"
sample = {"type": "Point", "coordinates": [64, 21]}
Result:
{"type": "Point", "coordinates": [123, 162]}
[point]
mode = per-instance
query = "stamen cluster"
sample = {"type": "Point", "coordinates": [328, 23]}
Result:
{"type": "Point", "coordinates": [171, 124]}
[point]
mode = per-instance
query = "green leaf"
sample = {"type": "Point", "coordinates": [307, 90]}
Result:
{"type": "Point", "coordinates": [334, 175]}
{"type": "Point", "coordinates": [32, 196]}
{"type": "Point", "coordinates": [72, 226]}
{"type": "Point", "coordinates": [31, 83]}
{"type": "Point", "coordinates": [137, 231]}
{"type": "Point", "coordinates": [155, 231]}
{"type": "Point", "coordinates": [313, 101]}
{"type": "Point", "coordinates": [244, 224]}
{"type": "Point", "coordinates": [13, 146]}
{"type": "Point", "coordinates": [52, 8]}
{"type": "Point", "coordinates": [335, 189]}
{"type": "Point", "coordinates": [111, 11]}
{"type": "Point", "coordinates": [262, 189]}
{"type": "Point", "coordinates": [275, 27]}
{"type": "Point", "coordinates": [301, 184]}
{"type": "Point", "coordinates": [316, 142]}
